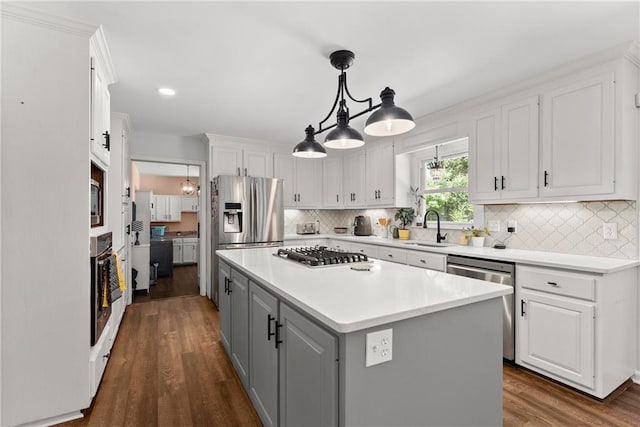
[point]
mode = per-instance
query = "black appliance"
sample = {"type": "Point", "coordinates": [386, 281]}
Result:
{"type": "Point", "coordinates": [362, 226]}
{"type": "Point", "coordinates": [101, 260]}
{"type": "Point", "coordinates": [320, 256]}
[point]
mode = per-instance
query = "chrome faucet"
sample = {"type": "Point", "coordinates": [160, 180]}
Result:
{"type": "Point", "coordinates": [439, 237]}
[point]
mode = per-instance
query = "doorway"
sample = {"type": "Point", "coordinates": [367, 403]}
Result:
{"type": "Point", "coordinates": [176, 227]}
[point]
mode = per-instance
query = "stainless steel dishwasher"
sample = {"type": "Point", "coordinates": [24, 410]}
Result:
{"type": "Point", "coordinates": [497, 272]}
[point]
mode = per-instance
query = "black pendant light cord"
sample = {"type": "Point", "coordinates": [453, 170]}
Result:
{"type": "Point", "coordinates": [342, 88]}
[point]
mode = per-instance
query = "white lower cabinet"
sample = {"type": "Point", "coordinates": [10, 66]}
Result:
{"type": "Point", "coordinates": [574, 328]}
{"type": "Point", "coordinates": [290, 363]}
{"type": "Point", "coordinates": [185, 250]}
{"type": "Point", "coordinates": [98, 359]}
{"type": "Point", "coordinates": [427, 260]}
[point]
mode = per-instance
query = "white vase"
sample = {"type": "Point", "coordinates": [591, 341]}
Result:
{"type": "Point", "coordinates": [477, 242]}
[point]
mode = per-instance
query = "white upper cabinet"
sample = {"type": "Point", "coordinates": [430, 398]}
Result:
{"type": "Point", "coordinates": [189, 204]}
{"type": "Point", "coordinates": [503, 152]}
{"type": "Point", "coordinates": [332, 171]}
{"type": "Point", "coordinates": [353, 188]}
{"type": "Point", "coordinates": [302, 180]}
{"type": "Point", "coordinates": [578, 142]}
{"type": "Point", "coordinates": [167, 208]}
{"type": "Point", "coordinates": [235, 156]}
{"type": "Point", "coordinates": [380, 178]}
{"type": "Point", "coordinates": [102, 75]}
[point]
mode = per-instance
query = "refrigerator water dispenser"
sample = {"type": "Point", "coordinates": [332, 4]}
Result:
{"type": "Point", "coordinates": [232, 214]}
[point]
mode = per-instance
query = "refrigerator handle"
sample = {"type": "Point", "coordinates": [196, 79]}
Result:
{"type": "Point", "coordinates": [253, 203]}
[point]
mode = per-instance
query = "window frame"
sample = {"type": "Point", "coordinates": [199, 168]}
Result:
{"type": "Point", "coordinates": [418, 163]}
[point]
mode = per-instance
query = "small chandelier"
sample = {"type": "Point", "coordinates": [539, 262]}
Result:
{"type": "Point", "coordinates": [436, 167]}
{"type": "Point", "coordinates": [187, 186]}
{"type": "Point", "coordinates": [387, 120]}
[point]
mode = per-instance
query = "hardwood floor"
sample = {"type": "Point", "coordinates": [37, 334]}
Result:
{"type": "Point", "coordinates": [168, 368]}
{"type": "Point", "coordinates": [183, 282]}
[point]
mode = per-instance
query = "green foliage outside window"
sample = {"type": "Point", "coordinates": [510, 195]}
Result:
{"type": "Point", "coordinates": [452, 203]}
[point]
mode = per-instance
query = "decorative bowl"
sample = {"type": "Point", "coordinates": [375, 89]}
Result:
{"type": "Point", "coordinates": [340, 230]}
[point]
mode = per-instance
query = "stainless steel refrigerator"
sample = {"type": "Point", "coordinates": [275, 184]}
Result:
{"type": "Point", "coordinates": [246, 212]}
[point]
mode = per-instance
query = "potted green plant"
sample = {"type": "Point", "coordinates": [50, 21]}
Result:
{"type": "Point", "coordinates": [476, 235]}
{"type": "Point", "coordinates": [405, 216]}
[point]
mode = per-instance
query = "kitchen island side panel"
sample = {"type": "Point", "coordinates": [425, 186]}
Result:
{"type": "Point", "coordinates": [446, 371]}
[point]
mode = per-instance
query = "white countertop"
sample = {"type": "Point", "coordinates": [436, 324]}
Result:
{"type": "Point", "coordinates": [590, 264]}
{"type": "Point", "coordinates": [346, 300]}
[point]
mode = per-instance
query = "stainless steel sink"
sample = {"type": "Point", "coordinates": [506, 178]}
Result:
{"type": "Point", "coordinates": [430, 244]}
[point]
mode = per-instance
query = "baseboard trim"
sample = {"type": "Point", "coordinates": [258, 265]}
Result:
{"type": "Point", "coordinates": [55, 420]}
{"type": "Point", "coordinates": [636, 377]}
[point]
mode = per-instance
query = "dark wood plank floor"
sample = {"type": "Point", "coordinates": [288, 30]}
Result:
{"type": "Point", "coordinates": [183, 282]}
{"type": "Point", "coordinates": [168, 368]}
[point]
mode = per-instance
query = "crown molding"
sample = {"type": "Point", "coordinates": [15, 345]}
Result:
{"type": "Point", "coordinates": [126, 120]}
{"type": "Point", "coordinates": [36, 17]}
{"type": "Point", "coordinates": [100, 49]}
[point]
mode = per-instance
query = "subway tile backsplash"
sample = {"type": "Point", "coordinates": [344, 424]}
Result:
{"type": "Point", "coordinates": [573, 228]}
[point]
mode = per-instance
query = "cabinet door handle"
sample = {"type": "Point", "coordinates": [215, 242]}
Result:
{"type": "Point", "coordinates": [546, 178]}
{"type": "Point", "coordinates": [522, 308]}
{"type": "Point", "coordinates": [245, 171]}
{"type": "Point", "coordinates": [128, 192]}
{"type": "Point", "coordinates": [229, 286]}
{"type": "Point", "coordinates": [226, 284]}
{"type": "Point", "coordinates": [503, 182]}
{"type": "Point", "coordinates": [553, 284]}
{"type": "Point", "coordinates": [337, 198]}
{"type": "Point", "coordinates": [128, 229]}
{"type": "Point", "coordinates": [269, 333]}
{"type": "Point", "coordinates": [278, 340]}
{"type": "Point", "coordinates": [299, 197]}
{"type": "Point", "coordinates": [107, 142]}
{"type": "Point", "coordinates": [423, 261]}
{"type": "Point", "coordinates": [495, 183]}
{"type": "Point", "coordinates": [238, 171]}
{"type": "Point", "coordinates": [107, 356]}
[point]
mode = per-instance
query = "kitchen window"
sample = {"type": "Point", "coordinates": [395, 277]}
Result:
{"type": "Point", "coordinates": [444, 183]}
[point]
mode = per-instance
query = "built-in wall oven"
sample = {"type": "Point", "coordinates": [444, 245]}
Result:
{"type": "Point", "coordinates": [101, 298]}
{"type": "Point", "coordinates": [500, 272]}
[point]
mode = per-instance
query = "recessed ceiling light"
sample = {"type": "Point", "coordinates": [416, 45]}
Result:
{"type": "Point", "coordinates": [167, 91]}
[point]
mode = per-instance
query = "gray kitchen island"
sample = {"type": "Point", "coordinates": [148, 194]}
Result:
{"type": "Point", "coordinates": [392, 346]}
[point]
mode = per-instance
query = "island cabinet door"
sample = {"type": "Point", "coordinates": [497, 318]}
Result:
{"type": "Point", "coordinates": [224, 305]}
{"type": "Point", "coordinates": [263, 358]}
{"type": "Point", "coordinates": [308, 372]}
{"type": "Point", "coordinates": [239, 289]}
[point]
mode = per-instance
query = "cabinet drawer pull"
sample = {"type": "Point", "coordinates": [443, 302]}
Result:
{"type": "Point", "coordinates": [495, 183]}
{"type": "Point", "coordinates": [552, 284]}
{"type": "Point", "coordinates": [269, 333]}
{"type": "Point", "coordinates": [278, 340]}
{"type": "Point", "coordinates": [107, 356]}
{"type": "Point", "coordinates": [522, 308]}
{"type": "Point", "coordinates": [423, 261]}
{"type": "Point", "coordinates": [390, 256]}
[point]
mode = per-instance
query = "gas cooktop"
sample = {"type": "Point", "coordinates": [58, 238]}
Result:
{"type": "Point", "coordinates": [320, 256]}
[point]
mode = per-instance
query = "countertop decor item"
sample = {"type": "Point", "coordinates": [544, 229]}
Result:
{"type": "Point", "coordinates": [340, 230]}
{"type": "Point", "coordinates": [387, 119]}
{"type": "Point", "coordinates": [477, 239]}
{"type": "Point", "coordinates": [405, 216]}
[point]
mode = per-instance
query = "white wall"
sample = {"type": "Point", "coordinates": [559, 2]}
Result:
{"type": "Point", "coordinates": [45, 220]}
{"type": "Point", "coordinates": [162, 146]}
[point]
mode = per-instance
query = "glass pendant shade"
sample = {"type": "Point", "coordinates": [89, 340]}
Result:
{"type": "Point", "coordinates": [309, 148]}
{"type": "Point", "coordinates": [188, 188]}
{"type": "Point", "coordinates": [389, 119]}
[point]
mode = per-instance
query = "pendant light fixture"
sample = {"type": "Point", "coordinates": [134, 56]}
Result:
{"type": "Point", "coordinates": [436, 167]}
{"type": "Point", "coordinates": [309, 148]}
{"type": "Point", "coordinates": [388, 120]}
{"type": "Point", "coordinates": [187, 186]}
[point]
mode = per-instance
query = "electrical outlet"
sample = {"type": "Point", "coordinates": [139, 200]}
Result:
{"type": "Point", "coordinates": [493, 225]}
{"type": "Point", "coordinates": [512, 224]}
{"type": "Point", "coordinates": [610, 230]}
{"type": "Point", "coordinates": [379, 347]}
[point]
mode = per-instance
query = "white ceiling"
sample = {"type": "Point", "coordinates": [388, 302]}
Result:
{"type": "Point", "coordinates": [166, 169]}
{"type": "Point", "coordinates": [260, 70]}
